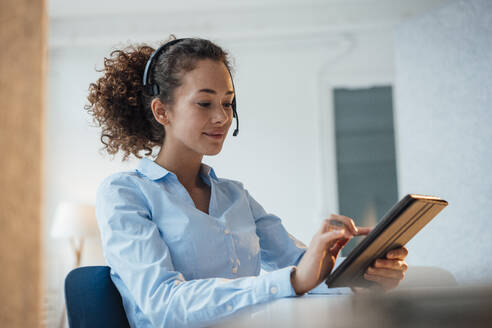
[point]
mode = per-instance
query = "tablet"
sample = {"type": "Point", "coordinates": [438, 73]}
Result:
{"type": "Point", "coordinates": [394, 230]}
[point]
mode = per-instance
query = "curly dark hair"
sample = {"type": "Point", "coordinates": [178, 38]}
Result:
{"type": "Point", "coordinates": [121, 107]}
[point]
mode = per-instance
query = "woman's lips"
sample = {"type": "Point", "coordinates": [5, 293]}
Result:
{"type": "Point", "coordinates": [214, 136]}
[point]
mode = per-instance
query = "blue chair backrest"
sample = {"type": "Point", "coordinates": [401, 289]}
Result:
{"type": "Point", "coordinates": [92, 299]}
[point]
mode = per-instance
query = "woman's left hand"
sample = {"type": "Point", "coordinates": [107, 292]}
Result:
{"type": "Point", "coordinates": [387, 272]}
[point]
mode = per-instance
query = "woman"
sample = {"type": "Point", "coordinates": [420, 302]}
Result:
{"type": "Point", "coordinates": [185, 247]}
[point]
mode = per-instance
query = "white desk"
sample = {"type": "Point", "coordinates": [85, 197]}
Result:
{"type": "Point", "coordinates": [462, 306]}
{"type": "Point", "coordinates": [305, 311]}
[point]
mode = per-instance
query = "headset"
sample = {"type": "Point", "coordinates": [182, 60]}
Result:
{"type": "Point", "coordinates": [153, 88]}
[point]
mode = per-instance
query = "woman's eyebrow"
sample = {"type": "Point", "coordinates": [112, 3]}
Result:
{"type": "Point", "coordinates": [214, 92]}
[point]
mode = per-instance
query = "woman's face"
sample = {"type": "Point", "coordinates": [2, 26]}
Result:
{"type": "Point", "coordinates": [202, 112]}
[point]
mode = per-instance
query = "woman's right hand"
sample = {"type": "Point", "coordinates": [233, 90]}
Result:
{"type": "Point", "coordinates": [320, 257]}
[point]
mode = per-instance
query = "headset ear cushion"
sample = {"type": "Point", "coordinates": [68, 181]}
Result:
{"type": "Point", "coordinates": [155, 89]}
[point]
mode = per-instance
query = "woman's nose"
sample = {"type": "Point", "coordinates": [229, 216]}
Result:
{"type": "Point", "coordinates": [220, 114]}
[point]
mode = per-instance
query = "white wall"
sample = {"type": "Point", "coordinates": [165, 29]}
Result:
{"type": "Point", "coordinates": [443, 125]}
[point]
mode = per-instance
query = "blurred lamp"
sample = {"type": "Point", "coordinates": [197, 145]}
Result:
{"type": "Point", "coordinates": [76, 222]}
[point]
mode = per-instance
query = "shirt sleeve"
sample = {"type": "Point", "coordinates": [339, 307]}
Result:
{"type": "Point", "coordinates": [278, 247]}
{"type": "Point", "coordinates": [135, 250]}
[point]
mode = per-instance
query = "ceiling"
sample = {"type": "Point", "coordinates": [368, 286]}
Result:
{"type": "Point", "coordinates": [64, 8]}
{"type": "Point", "coordinates": [96, 22]}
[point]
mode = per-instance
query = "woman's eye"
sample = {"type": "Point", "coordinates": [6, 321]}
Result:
{"type": "Point", "coordinates": [207, 104]}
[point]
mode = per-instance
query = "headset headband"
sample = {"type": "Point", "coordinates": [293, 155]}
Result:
{"type": "Point", "coordinates": [153, 88]}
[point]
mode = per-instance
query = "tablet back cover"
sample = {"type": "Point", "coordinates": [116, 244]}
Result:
{"type": "Point", "coordinates": [396, 228]}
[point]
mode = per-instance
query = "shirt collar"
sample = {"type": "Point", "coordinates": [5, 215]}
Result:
{"type": "Point", "coordinates": [154, 171]}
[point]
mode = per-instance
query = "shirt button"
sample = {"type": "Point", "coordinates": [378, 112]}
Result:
{"type": "Point", "coordinates": [226, 231]}
{"type": "Point", "coordinates": [274, 290]}
{"type": "Point", "coordinates": [229, 307]}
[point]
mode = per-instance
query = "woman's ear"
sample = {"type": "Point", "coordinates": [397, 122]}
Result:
{"type": "Point", "coordinates": [160, 111]}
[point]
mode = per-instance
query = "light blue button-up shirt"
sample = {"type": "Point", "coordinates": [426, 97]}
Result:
{"type": "Point", "coordinates": [176, 266]}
